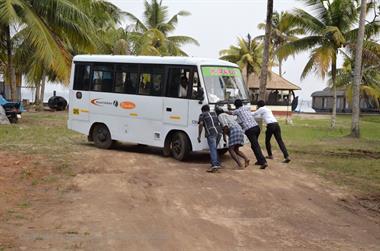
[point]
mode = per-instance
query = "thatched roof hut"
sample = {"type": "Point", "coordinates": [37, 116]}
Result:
{"type": "Point", "coordinates": [275, 82]}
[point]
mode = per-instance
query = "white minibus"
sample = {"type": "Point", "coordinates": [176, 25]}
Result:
{"type": "Point", "coordinates": [153, 101]}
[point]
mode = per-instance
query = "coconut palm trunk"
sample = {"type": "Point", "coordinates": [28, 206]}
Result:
{"type": "Point", "coordinates": [355, 129]}
{"type": "Point", "coordinates": [10, 69]}
{"type": "Point", "coordinates": [264, 67]}
{"type": "Point", "coordinates": [247, 76]}
{"type": "Point", "coordinates": [37, 94]}
{"type": "Point", "coordinates": [280, 67]}
{"type": "Point", "coordinates": [42, 92]}
{"type": "Point", "coordinates": [333, 76]}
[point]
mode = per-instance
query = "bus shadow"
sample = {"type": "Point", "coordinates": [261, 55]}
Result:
{"type": "Point", "coordinates": [194, 157]}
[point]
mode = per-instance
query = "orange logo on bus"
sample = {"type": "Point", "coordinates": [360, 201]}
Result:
{"type": "Point", "coordinates": [127, 105]}
{"type": "Point", "coordinates": [93, 101]}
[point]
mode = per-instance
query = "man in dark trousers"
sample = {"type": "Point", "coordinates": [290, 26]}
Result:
{"type": "Point", "coordinates": [273, 128]}
{"type": "Point", "coordinates": [251, 130]}
{"type": "Point", "coordinates": [209, 120]}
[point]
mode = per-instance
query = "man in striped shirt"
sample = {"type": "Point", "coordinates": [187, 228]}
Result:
{"type": "Point", "coordinates": [251, 130]}
{"type": "Point", "coordinates": [213, 130]}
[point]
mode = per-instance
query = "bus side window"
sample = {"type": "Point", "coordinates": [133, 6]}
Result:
{"type": "Point", "coordinates": [178, 82]}
{"type": "Point", "coordinates": [102, 80]}
{"type": "Point", "coordinates": [151, 78]}
{"type": "Point", "coordinates": [126, 79]}
{"type": "Point", "coordinates": [82, 77]}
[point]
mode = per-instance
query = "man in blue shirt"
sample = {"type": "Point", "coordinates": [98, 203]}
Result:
{"type": "Point", "coordinates": [213, 130]}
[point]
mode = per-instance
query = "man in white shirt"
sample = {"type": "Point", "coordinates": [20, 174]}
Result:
{"type": "Point", "coordinates": [273, 128]}
{"type": "Point", "coordinates": [182, 91]}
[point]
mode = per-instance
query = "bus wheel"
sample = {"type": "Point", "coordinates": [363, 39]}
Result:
{"type": "Point", "coordinates": [180, 146]}
{"type": "Point", "coordinates": [102, 136]}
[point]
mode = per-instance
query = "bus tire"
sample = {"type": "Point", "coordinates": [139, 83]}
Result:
{"type": "Point", "coordinates": [180, 146]}
{"type": "Point", "coordinates": [102, 136]}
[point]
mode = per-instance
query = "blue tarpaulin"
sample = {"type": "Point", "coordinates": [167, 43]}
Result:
{"type": "Point", "coordinates": [3, 101]}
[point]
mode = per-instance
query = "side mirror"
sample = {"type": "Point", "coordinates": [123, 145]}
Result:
{"type": "Point", "coordinates": [201, 94]}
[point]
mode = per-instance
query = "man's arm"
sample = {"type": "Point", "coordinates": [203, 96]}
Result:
{"type": "Point", "coordinates": [258, 112]}
{"type": "Point", "coordinates": [225, 133]}
{"type": "Point", "coordinates": [200, 129]}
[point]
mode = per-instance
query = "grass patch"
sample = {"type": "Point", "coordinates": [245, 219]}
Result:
{"type": "Point", "coordinates": [40, 133]}
{"type": "Point", "coordinates": [354, 163]}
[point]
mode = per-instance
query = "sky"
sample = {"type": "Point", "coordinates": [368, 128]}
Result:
{"type": "Point", "coordinates": [216, 24]}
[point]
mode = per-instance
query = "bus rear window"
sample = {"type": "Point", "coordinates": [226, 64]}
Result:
{"type": "Point", "coordinates": [82, 77]}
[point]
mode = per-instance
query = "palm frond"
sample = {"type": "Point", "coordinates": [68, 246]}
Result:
{"type": "Point", "coordinates": [8, 12]}
{"type": "Point", "coordinates": [138, 24]}
{"type": "Point", "coordinates": [309, 23]}
{"type": "Point", "coordinates": [181, 40]}
{"type": "Point", "coordinates": [300, 45]}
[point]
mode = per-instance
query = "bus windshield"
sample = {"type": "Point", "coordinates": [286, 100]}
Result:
{"type": "Point", "coordinates": [223, 84]}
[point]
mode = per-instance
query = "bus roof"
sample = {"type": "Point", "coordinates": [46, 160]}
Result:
{"type": "Point", "coordinates": [152, 60]}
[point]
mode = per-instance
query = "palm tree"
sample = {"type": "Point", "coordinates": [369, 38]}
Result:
{"type": "Point", "coordinates": [370, 73]}
{"type": "Point", "coordinates": [45, 26]}
{"type": "Point", "coordinates": [150, 36]}
{"type": "Point", "coordinates": [266, 54]}
{"type": "Point", "coordinates": [355, 130]}
{"type": "Point", "coordinates": [282, 33]}
{"type": "Point", "coordinates": [248, 54]}
{"type": "Point", "coordinates": [328, 31]}
{"type": "Point", "coordinates": [106, 18]}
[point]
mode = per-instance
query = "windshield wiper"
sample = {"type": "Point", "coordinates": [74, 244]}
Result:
{"type": "Point", "coordinates": [222, 102]}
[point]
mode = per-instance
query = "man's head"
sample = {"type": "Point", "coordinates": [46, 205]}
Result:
{"type": "Point", "coordinates": [238, 103]}
{"type": "Point", "coordinates": [218, 110]}
{"type": "Point", "coordinates": [260, 103]}
{"type": "Point", "coordinates": [205, 108]}
{"type": "Point", "coordinates": [184, 81]}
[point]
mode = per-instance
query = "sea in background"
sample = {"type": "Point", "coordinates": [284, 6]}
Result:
{"type": "Point", "coordinates": [29, 94]}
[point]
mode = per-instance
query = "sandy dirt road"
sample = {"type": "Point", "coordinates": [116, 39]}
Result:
{"type": "Point", "coordinates": [132, 198]}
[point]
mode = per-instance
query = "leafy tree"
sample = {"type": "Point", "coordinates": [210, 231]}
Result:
{"type": "Point", "coordinates": [248, 54]}
{"type": "Point", "coordinates": [370, 73]}
{"type": "Point", "coordinates": [282, 32]}
{"type": "Point", "coordinates": [328, 30]}
{"type": "Point", "coordinates": [47, 33]}
{"type": "Point", "coordinates": [150, 36]}
{"type": "Point", "coordinates": [106, 19]}
{"type": "Point", "coordinates": [45, 26]}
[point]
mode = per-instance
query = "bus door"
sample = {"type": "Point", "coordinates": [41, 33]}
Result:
{"type": "Point", "coordinates": [176, 103]}
{"type": "Point", "coordinates": [80, 96]}
{"type": "Point", "coordinates": [196, 100]}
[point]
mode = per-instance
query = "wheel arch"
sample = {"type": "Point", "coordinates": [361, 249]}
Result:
{"type": "Point", "coordinates": [169, 136]}
{"type": "Point", "coordinates": [89, 136]}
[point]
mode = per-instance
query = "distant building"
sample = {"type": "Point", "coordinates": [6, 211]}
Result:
{"type": "Point", "coordinates": [323, 102]}
{"type": "Point", "coordinates": [280, 96]}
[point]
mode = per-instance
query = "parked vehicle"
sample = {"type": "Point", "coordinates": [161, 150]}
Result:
{"type": "Point", "coordinates": [153, 101]}
{"type": "Point", "coordinates": [13, 110]}
{"type": "Point", "coordinates": [57, 103]}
